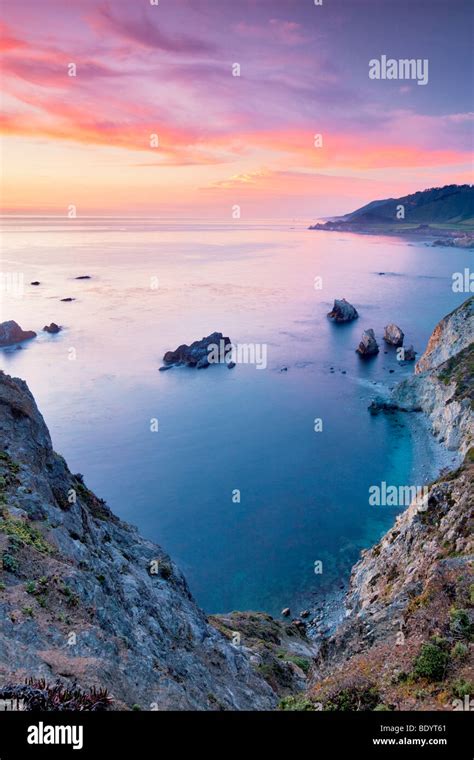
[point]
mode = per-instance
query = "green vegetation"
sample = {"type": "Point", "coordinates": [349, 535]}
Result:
{"type": "Point", "coordinates": [7, 461]}
{"type": "Point", "coordinates": [25, 533]}
{"type": "Point", "coordinates": [301, 662]}
{"type": "Point", "coordinates": [353, 699]}
{"type": "Point", "coordinates": [165, 570]}
{"type": "Point", "coordinates": [460, 370]}
{"type": "Point", "coordinates": [72, 599]}
{"type": "Point", "coordinates": [300, 704]}
{"type": "Point", "coordinates": [9, 563]}
{"type": "Point", "coordinates": [459, 623]}
{"type": "Point", "coordinates": [432, 661]}
{"type": "Point", "coordinates": [462, 688]}
{"type": "Point", "coordinates": [459, 651]}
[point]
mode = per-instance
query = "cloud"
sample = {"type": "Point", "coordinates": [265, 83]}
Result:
{"type": "Point", "coordinates": [142, 29]}
{"type": "Point", "coordinates": [277, 30]}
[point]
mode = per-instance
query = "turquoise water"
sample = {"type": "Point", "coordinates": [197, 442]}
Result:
{"type": "Point", "coordinates": [303, 494]}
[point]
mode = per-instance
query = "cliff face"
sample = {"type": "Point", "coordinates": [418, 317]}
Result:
{"type": "Point", "coordinates": [407, 639]}
{"type": "Point", "coordinates": [84, 597]}
{"type": "Point", "coordinates": [443, 383]}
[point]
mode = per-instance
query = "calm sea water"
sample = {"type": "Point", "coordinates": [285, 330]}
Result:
{"type": "Point", "coordinates": [303, 494]}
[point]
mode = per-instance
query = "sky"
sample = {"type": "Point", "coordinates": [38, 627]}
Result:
{"type": "Point", "coordinates": [168, 70]}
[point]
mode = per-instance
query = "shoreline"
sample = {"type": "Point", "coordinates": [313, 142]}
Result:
{"type": "Point", "coordinates": [329, 610]}
{"type": "Point", "coordinates": [433, 236]}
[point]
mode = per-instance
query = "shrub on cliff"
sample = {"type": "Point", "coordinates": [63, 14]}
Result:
{"type": "Point", "coordinates": [432, 661]}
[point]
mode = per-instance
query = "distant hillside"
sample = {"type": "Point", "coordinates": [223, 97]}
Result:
{"type": "Point", "coordinates": [445, 213]}
{"type": "Point", "coordinates": [451, 204]}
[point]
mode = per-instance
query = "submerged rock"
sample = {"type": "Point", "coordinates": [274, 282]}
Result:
{"type": "Point", "coordinates": [197, 354]}
{"type": "Point", "coordinates": [393, 335]}
{"type": "Point", "coordinates": [368, 345]}
{"type": "Point", "coordinates": [53, 328]}
{"type": "Point", "coordinates": [409, 354]}
{"type": "Point", "coordinates": [11, 333]}
{"type": "Point", "coordinates": [382, 405]}
{"type": "Point", "coordinates": [343, 311]}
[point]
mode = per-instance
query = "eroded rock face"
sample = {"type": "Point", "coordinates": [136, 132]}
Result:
{"type": "Point", "coordinates": [442, 385]}
{"type": "Point", "coordinates": [368, 345]}
{"type": "Point", "coordinates": [11, 333]}
{"type": "Point", "coordinates": [137, 629]}
{"type": "Point", "coordinates": [196, 355]}
{"type": "Point", "coordinates": [453, 333]}
{"type": "Point", "coordinates": [343, 311]}
{"type": "Point", "coordinates": [393, 335]}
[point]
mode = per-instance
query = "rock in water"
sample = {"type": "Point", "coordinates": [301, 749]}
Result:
{"type": "Point", "coordinates": [53, 328]}
{"type": "Point", "coordinates": [197, 354]}
{"type": "Point", "coordinates": [393, 335]}
{"type": "Point", "coordinates": [343, 311]}
{"type": "Point", "coordinates": [368, 345]}
{"type": "Point", "coordinates": [409, 354]}
{"type": "Point", "coordinates": [11, 333]}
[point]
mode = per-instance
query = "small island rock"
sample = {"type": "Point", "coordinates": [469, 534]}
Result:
{"type": "Point", "coordinates": [393, 335]}
{"type": "Point", "coordinates": [53, 328]}
{"type": "Point", "coordinates": [343, 311]}
{"type": "Point", "coordinates": [11, 333]}
{"type": "Point", "coordinates": [196, 355]}
{"type": "Point", "coordinates": [368, 345]}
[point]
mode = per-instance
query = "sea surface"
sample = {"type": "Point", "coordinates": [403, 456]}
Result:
{"type": "Point", "coordinates": [303, 495]}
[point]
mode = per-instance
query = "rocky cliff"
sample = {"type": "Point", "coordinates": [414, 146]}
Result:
{"type": "Point", "coordinates": [85, 598]}
{"type": "Point", "coordinates": [408, 637]}
{"type": "Point", "coordinates": [443, 383]}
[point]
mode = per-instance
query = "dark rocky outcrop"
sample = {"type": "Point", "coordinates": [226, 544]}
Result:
{"type": "Point", "coordinates": [343, 311]}
{"type": "Point", "coordinates": [53, 328]}
{"type": "Point", "coordinates": [368, 345]}
{"type": "Point", "coordinates": [11, 333]}
{"type": "Point", "coordinates": [86, 599]}
{"type": "Point", "coordinates": [196, 355]}
{"type": "Point", "coordinates": [409, 354]}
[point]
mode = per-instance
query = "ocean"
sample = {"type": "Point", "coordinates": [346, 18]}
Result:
{"type": "Point", "coordinates": [224, 468]}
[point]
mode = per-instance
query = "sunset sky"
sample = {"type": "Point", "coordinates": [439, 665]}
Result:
{"type": "Point", "coordinates": [226, 140]}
